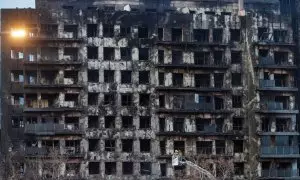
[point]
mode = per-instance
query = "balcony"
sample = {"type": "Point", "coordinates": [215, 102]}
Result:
{"type": "Point", "coordinates": [278, 173]}
{"type": "Point", "coordinates": [193, 89]}
{"type": "Point", "coordinates": [276, 85]}
{"type": "Point", "coordinates": [276, 107]}
{"type": "Point", "coordinates": [51, 106]}
{"type": "Point", "coordinates": [49, 152]}
{"type": "Point", "coordinates": [196, 65]}
{"type": "Point", "coordinates": [64, 83]}
{"type": "Point", "coordinates": [52, 129]}
{"type": "Point", "coordinates": [269, 62]}
{"type": "Point", "coordinates": [279, 152]}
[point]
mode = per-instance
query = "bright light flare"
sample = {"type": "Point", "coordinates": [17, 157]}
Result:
{"type": "Point", "coordinates": [18, 33]}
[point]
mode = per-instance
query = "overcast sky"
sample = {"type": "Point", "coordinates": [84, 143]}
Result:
{"type": "Point", "coordinates": [17, 3]}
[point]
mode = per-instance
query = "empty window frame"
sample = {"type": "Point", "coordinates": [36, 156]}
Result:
{"type": "Point", "coordinates": [177, 57]}
{"type": "Point", "coordinates": [219, 79]}
{"type": "Point", "coordinates": [17, 122]}
{"type": "Point", "coordinates": [238, 168]}
{"type": "Point", "coordinates": [237, 123]}
{"type": "Point", "coordinates": [17, 76]}
{"type": "Point", "coordinates": [92, 52]}
{"type": "Point", "coordinates": [177, 79]}
{"type": "Point", "coordinates": [161, 78]}
{"type": "Point", "coordinates": [109, 53]}
{"type": "Point", "coordinates": [93, 98]}
{"type": "Point", "coordinates": [93, 122]}
{"type": "Point", "coordinates": [263, 34]}
{"type": "Point", "coordinates": [144, 99]}
{"type": "Point", "coordinates": [92, 30]}
{"type": "Point", "coordinates": [126, 99]}
{"type": "Point", "coordinates": [127, 145]}
{"type": "Point", "coordinates": [217, 35]}
{"type": "Point", "coordinates": [162, 147]}
{"type": "Point", "coordinates": [280, 57]}
{"type": "Point", "coordinates": [125, 77]}
{"type": "Point", "coordinates": [143, 32]}
{"type": "Point", "coordinates": [125, 53]}
{"type": "Point", "coordinates": [163, 169]}
{"type": "Point", "coordinates": [109, 76]}
{"type": "Point", "coordinates": [204, 147]}
{"type": "Point", "coordinates": [144, 77]}
{"type": "Point", "coordinates": [161, 100]}
{"type": "Point", "coordinates": [220, 147]}
{"type": "Point", "coordinates": [109, 121]}
{"type": "Point", "coordinates": [238, 146]}
{"type": "Point", "coordinates": [235, 35]}
{"type": "Point", "coordinates": [161, 57]}
{"type": "Point", "coordinates": [110, 145]}
{"type": "Point", "coordinates": [180, 146]}
{"type": "Point", "coordinates": [236, 79]}
{"type": "Point", "coordinates": [109, 99]}
{"type": "Point", "coordinates": [162, 124]}
{"type": "Point", "coordinates": [93, 144]}
{"type": "Point", "coordinates": [110, 168]}
{"type": "Point", "coordinates": [143, 54]}
{"type": "Point", "coordinates": [145, 145]}
{"type": "Point", "coordinates": [202, 58]}
{"type": "Point", "coordinates": [125, 31]}
{"type": "Point", "coordinates": [201, 35]}
{"type": "Point", "coordinates": [127, 122]}
{"type": "Point", "coordinates": [218, 57]}
{"type": "Point", "coordinates": [178, 125]}
{"type": "Point", "coordinates": [176, 34]}
{"type": "Point", "coordinates": [237, 101]}
{"type": "Point", "coordinates": [127, 168]}
{"type": "Point", "coordinates": [94, 167]}
{"type": "Point", "coordinates": [145, 168]}
{"type": "Point", "coordinates": [236, 57]}
{"type": "Point", "coordinates": [280, 35]}
{"type": "Point", "coordinates": [108, 30]}
{"type": "Point", "coordinates": [160, 34]}
{"type": "Point", "coordinates": [71, 31]}
{"type": "Point", "coordinates": [202, 80]}
{"type": "Point", "coordinates": [145, 122]}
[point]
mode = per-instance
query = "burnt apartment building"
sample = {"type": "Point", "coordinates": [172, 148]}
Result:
{"type": "Point", "coordinates": [115, 87]}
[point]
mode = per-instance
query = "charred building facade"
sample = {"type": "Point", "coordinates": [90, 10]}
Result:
{"type": "Point", "coordinates": [115, 87]}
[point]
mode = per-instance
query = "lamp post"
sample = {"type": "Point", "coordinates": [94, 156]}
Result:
{"type": "Point", "coordinates": [15, 33]}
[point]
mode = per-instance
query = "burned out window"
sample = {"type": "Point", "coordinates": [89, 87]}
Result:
{"type": "Point", "coordinates": [161, 58]}
{"type": "Point", "coordinates": [110, 145]}
{"type": "Point", "coordinates": [92, 30]}
{"type": "Point", "coordinates": [237, 101]}
{"type": "Point", "coordinates": [161, 78]}
{"type": "Point", "coordinates": [220, 147]}
{"type": "Point", "coordinates": [286, 6]}
{"type": "Point", "coordinates": [144, 77]}
{"type": "Point", "coordinates": [219, 78]}
{"type": "Point", "coordinates": [202, 58]}
{"type": "Point", "coordinates": [125, 54]}
{"type": "Point", "coordinates": [109, 99]}
{"type": "Point", "coordinates": [144, 54]}
{"type": "Point", "coordinates": [71, 31]}
{"type": "Point", "coordinates": [238, 146]}
{"type": "Point", "coordinates": [143, 32]}
{"type": "Point", "coordinates": [177, 79]}
{"type": "Point", "coordinates": [178, 124]}
{"type": "Point", "coordinates": [237, 123]}
{"type": "Point", "coordinates": [160, 34]}
{"type": "Point", "coordinates": [202, 124]}
{"type": "Point", "coordinates": [92, 52]}
{"type": "Point", "coordinates": [17, 76]}
{"type": "Point", "coordinates": [125, 31]}
{"type": "Point", "coordinates": [218, 57]}
{"type": "Point", "coordinates": [145, 122]}
{"type": "Point", "coordinates": [162, 147]}
{"type": "Point", "coordinates": [217, 35]}
{"type": "Point", "coordinates": [280, 57]}
{"type": "Point", "coordinates": [110, 168]}
{"type": "Point", "coordinates": [163, 169]}
{"type": "Point", "coordinates": [94, 167]}
{"type": "Point", "coordinates": [176, 34]}
{"type": "Point", "coordinates": [126, 99]}
{"type": "Point", "coordinates": [93, 144]}
{"type": "Point", "coordinates": [108, 30]}
{"type": "Point", "coordinates": [145, 145]}
{"type": "Point", "coordinates": [204, 147]}
{"type": "Point", "coordinates": [263, 34]}
{"type": "Point", "coordinates": [236, 57]}
{"type": "Point", "coordinates": [236, 79]}
{"type": "Point", "coordinates": [109, 121]}
{"type": "Point", "coordinates": [17, 122]}
{"type": "Point", "coordinates": [180, 146]}
{"type": "Point", "coordinates": [93, 122]}
{"type": "Point", "coordinates": [127, 168]}
{"type": "Point", "coordinates": [49, 30]}
{"type": "Point", "coordinates": [202, 80]}
{"type": "Point", "coordinates": [127, 122]}
{"type": "Point", "coordinates": [127, 145]}
{"type": "Point", "coordinates": [145, 168]}
{"type": "Point", "coordinates": [238, 168]}
{"type": "Point", "coordinates": [201, 35]}
{"type": "Point", "coordinates": [235, 35]}
{"type": "Point", "coordinates": [162, 124]}
{"type": "Point", "coordinates": [93, 98]}
{"type": "Point", "coordinates": [144, 99]}
{"type": "Point", "coordinates": [161, 99]}
{"type": "Point", "coordinates": [109, 53]}
{"type": "Point", "coordinates": [125, 77]}
{"type": "Point", "coordinates": [71, 54]}
{"type": "Point", "coordinates": [109, 76]}
{"type": "Point", "coordinates": [177, 57]}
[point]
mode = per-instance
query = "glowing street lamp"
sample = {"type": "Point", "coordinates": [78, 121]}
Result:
{"type": "Point", "coordinates": [18, 33]}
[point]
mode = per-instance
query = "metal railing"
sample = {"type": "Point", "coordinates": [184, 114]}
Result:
{"type": "Point", "coordinates": [272, 105]}
{"type": "Point", "coordinates": [275, 83]}
{"type": "Point", "coordinates": [279, 150]}
{"type": "Point", "coordinates": [271, 61]}
{"type": "Point", "coordinates": [52, 128]}
{"type": "Point", "coordinates": [279, 173]}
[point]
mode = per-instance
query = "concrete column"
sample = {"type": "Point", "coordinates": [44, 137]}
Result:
{"type": "Point", "coordinates": [214, 147]}
{"type": "Point", "coordinates": [60, 53]}
{"type": "Point", "coordinates": [212, 80]}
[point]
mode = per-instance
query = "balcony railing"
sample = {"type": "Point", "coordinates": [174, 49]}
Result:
{"type": "Point", "coordinates": [275, 83]}
{"type": "Point", "coordinates": [46, 151]}
{"type": "Point", "coordinates": [279, 150]}
{"type": "Point", "coordinates": [279, 173]}
{"type": "Point", "coordinates": [52, 128]}
{"type": "Point", "coordinates": [272, 105]}
{"type": "Point", "coordinates": [271, 61]}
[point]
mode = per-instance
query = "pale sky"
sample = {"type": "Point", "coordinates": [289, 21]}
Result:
{"type": "Point", "coordinates": [17, 3]}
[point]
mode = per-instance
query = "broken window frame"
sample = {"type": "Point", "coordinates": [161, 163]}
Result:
{"type": "Point", "coordinates": [109, 122]}
{"type": "Point", "coordinates": [144, 99]}
{"type": "Point", "coordinates": [109, 76]}
{"type": "Point", "coordinates": [108, 30]}
{"type": "Point", "coordinates": [110, 145]}
{"type": "Point", "coordinates": [108, 53]}
{"type": "Point", "coordinates": [110, 168]}
{"type": "Point", "coordinates": [144, 54]}
{"type": "Point", "coordinates": [93, 99]}
{"type": "Point", "coordinates": [237, 123]}
{"type": "Point", "coordinates": [145, 122]}
{"type": "Point", "coordinates": [237, 101]}
{"type": "Point", "coordinates": [180, 146]}
{"type": "Point", "coordinates": [93, 122]}
{"type": "Point", "coordinates": [145, 168]}
{"type": "Point", "coordinates": [126, 99]}
{"type": "Point", "coordinates": [143, 32]}
{"type": "Point", "coordinates": [109, 99]}
{"type": "Point", "coordinates": [125, 53]}
{"type": "Point", "coordinates": [126, 77]}
{"type": "Point", "coordinates": [202, 58]}
{"type": "Point", "coordinates": [144, 77]}
{"type": "Point", "coordinates": [145, 145]}
{"type": "Point", "coordinates": [92, 30]}
{"type": "Point", "coordinates": [127, 168]}
{"type": "Point", "coordinates": [94, 170]}
{"type": "Point", "coordinates": [129, 147]}
{"type": "Point", "coordinates": [92, 52]}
